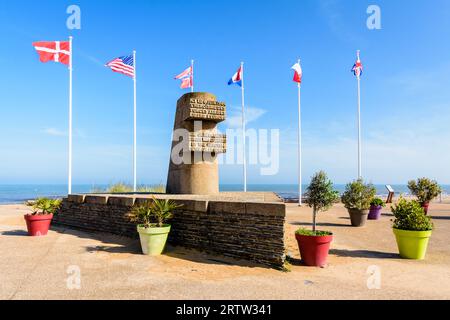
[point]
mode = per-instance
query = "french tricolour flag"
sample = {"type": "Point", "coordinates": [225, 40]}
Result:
{"type": "Point", "coordinates": [237, 78]}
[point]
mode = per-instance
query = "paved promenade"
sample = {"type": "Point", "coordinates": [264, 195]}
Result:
{"type": "Point", "coordinates": [112, 267]}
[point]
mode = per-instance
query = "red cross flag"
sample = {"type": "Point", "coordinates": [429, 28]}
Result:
{"type": "Point", "coordinates": [57, 51]}
{"type": "Point", "coordinates": [60, 51]}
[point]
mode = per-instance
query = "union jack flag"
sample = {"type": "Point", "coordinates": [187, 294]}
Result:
{"type": "Point", "coordinates": [123, 65]}
{"type": "Point", "coordinates": [357, 67]}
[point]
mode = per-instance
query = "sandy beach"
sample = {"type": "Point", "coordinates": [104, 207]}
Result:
{"type": "Point", "coordinates": [112, 267]}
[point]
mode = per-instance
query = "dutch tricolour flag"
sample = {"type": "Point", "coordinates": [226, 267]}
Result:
{"type": "Point", "coordinates": [237, 78]}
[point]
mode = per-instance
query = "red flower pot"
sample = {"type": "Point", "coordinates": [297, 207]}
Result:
{"type": "Point", "coordinates": [425, 206]}
{"type": "Point", "coordinates": [38, 225]}
{"type": "Point", "coordinates": [314, 250]}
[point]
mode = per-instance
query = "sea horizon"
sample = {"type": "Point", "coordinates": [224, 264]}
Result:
{"type": "Point", "coordinates": [19, 193]}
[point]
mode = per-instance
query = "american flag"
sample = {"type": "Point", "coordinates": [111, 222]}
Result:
{"type": "Point", "coordinates": [124, 65]}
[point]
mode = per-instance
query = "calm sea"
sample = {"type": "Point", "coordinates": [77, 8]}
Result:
{"type": "Point", "coordinates": [10, 194]}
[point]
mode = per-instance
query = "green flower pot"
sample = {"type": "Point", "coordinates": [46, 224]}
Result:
{"type": "Point", "coordinates": [412, 244]}
{"type": "Point", "coordinates": [153, 240]}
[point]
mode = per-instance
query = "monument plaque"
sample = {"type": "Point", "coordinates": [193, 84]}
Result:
{"type": "Point", "coordinates": [197, 115]}
{"type": "Point", "coordinates": [207, 142]}
{"type": "Point", "coordinates": [199, 109]}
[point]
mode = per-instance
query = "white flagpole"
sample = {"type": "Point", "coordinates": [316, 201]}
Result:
{"type": "Point", "coordinates": [300, 193]}
{"type": "Point", "coordinates": [243, 128]}
{"type": "Point", "coordinates": [192, 70]}
{"type": "Point", "coordinates": [70, 115]}
{"type": "Point", "coordinates": [359, 119]}
{"type": "Point", "coordinates": [134, 128]}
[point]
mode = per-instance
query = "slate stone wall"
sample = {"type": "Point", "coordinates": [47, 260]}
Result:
{"type": "Point", "coordinates": [242, 230]}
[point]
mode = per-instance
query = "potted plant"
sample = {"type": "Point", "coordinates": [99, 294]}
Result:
{"type": "Point", "coordinates": [412, 229]}
{"type": "Point", "coordinates": [314, 245]}
{"type": "Point", "coordinates": [151, 217]}
{"type": "Point", "coordinates": [357, 198]}
{"type": "Point", "coordinates": [425, 190]}
{"type": "Point", "coordinates": [375, 209]}
{"type": "Point", "coordinates": [38, 222]}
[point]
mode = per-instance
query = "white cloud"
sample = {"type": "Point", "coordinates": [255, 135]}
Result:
{"type": "Point", "coordinates": [333, 13]}
{"type": "Point", "coordinates": [234, 119]}
{"type": "Point", "coordinates": [54, 132]}
{"type": "Point", "coordinates": [59, 133]}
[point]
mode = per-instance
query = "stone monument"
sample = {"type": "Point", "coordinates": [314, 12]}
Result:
{"type": "Point", "coordinates": [196, 144]}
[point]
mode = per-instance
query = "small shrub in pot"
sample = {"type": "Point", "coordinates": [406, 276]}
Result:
{"type": "Point", "coordinates": [376, 205]}
{"type": "Point", "coordinates": [152, 217]}
{"type": "Point", "coordinates": [425, 190]}
{"type": "Point", "coordinates": [412, 229]}
{"type": "Point", "coordinates": [357, 198]}
{"type": "Point", "coordinates": [314, 245]}
{"type": "Point", "coordinates": [39, 221]}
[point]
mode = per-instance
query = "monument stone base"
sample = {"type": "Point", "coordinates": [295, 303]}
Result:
{"type": "Point", "coordinates": [193, 167]}
{"type": "Point", "coordinates": [242, 226]}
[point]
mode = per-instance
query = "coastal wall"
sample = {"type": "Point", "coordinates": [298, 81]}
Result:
{"type": "Point", "coordinates": [242, 230]}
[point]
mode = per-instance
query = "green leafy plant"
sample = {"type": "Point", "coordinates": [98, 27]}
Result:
{"type": "Point", "coordinates": [424, 189]}
{"type": "Point", "coordinates": [320, 196]}
{"type": "Point", "coordinates": [153, 213]}
{"type": "Point", "coordinates": [157, 188]}
{"type": "Point", "coordinates": [119, 188]}
{"type": "Point", "coordinates": [306, 232]}
{"type": "Point", "coordinates": [44, 206]}
{"type": "Point", "coordinates": [358, 195]}
{"type": "Point", "coordinates": [377, 202]}
{"type": "Point", "coordinates": [409, 215]}
{"type": "Point", "coordinates": [122, 187]}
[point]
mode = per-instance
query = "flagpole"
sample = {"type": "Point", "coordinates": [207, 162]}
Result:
{"type": "Point", "coordinates": [192, 69]}
{"type": "Point", "coordinates": [134, 127]}
{"type": "Point", "coordinates": [300, 193]}
{"type": "Point", "coordinates": [243, 128]}
{"type": "Point", "coordinates": [359, 120]}
{"type": "Point", "coordinates": [70, 115]}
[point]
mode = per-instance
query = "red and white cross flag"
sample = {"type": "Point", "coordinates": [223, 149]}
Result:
{"type": "Point", "coordinates": [60, 51]}
{"type": "Point", "coordinates": [57, 51]}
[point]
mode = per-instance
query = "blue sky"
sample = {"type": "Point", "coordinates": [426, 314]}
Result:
{"type": "Point", "coordinates": [405, 96]}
